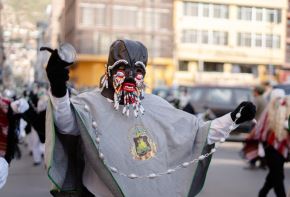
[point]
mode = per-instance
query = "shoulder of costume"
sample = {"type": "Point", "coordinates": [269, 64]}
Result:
{"type": "Point", "coordinates": [156, 100]}
{"type": "Point", "coordinates": [78, 98]}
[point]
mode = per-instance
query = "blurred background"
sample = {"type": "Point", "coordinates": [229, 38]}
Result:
{"type": "Point", "coordinates": [206, 53]}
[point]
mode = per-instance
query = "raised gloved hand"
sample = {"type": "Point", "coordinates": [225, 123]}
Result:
{"type": "Point", "coordinates": [3, 171]}
{"type": "Point", "coordinates": [248, 112]}
{"type": "Point", "coordinates": [57, 73]}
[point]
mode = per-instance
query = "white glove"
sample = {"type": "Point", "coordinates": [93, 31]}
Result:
{"type": "Point", "coordinates": [20, 106]}
{"type": "Point", "coordinates": [3, 171]}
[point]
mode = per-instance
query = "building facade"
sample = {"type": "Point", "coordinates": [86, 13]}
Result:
{"type": "Point", "coordinates": [92, 25]}
{"type": "Point", "coordinates": [1, 44]}
{"type": "Point", "coordinates": [229, 41]}
{"type": "Point", "coordinates": [284, 74]}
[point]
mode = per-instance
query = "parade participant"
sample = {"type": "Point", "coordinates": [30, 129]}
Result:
{"type": "Point", "coordinates": [272, 129]}
{"type": "Point", "coordinates": [253, 148]}
{"type": "Point", "coordinates": [8, 137]}
{"type": "Point", "coordinates": [34, 115]}
{"type": "Point", "coordinates": [119, 141]}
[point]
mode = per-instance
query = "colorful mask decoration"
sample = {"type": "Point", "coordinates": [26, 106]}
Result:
{"type": "Point", "coordinates": [127, 75]}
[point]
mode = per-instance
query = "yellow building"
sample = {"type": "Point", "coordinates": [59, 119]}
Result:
{"type": "Point", "coordinates": [91, 26]}
{"type": "Point", "coordinates": [229, 41]}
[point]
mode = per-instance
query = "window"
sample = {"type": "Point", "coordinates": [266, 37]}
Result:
{"type": "Point", "coordinates": [206, 10]}
{"type": "Point", "coordinates": [244, 39]}
{"type": "Point", "coordinates": [236, 68]}
{"type": "Point", "coordinates": [92, 14]}
{"type": "Point", "coordinates": [220, 38]}
{"type": "Point", "coordinates": [213, 67]}
{"type": "Point", "coordinates": [164, 18]}
{"type": "Point", "coordinates": [224, 38]}
{"type": "Point", "coordinates": [196, 94]}
{"type": "Point", "coordinates": [189, 36]}
{"type": "Point", "coordinates": [87, 16]}
{"type": "Point", "coordinates": [220, 11]}
{"type": "Point", "coordinates": [276, 41]}
{"type": "Point", "coordinates": [243, 68]}
{"type": "Point", "coordinates": [216, 37]}
{"type": "Point", "coordinates": [273, 15]}
{"type": "Point", "coordinates": [245, 13]}
{"type": "Point", "coordinates": [216, 11]}
{"type": "Point", "coordinates": [100, 15]}
{"type": "Point", "coordinates": [158, 46]}
{"type": "Point", "coordinates": [258, 40]}
{"type": "Point", "coordinates": [224, 11]}
{"type": "Point", "coordinates": [259, 14]}
{"type": "Point", "coordinates": [183, 66]}
{"type": "Point", "coordinates": [242, 95]}
{"type": "Point", "coordinates": [158, 19]}
{"type": "Point", "coordinates": [100, 42]}
{"type": "Point", "coordinates": [190, 9]}
{"type": "Point", "coordinates": [125, 16]}
{"type": "Point", "coordinates": [219, 96]}
{"type": "Point", "coordinates": [269, 41]}
{"type": "Point", "coordinates": [270, 15]}
{"type": "Point", "coordinates": [247, 39]}
{"type": "Point", "coordinates": [150, 20]}
{"type": "Point", "coordinates": [204, 37]}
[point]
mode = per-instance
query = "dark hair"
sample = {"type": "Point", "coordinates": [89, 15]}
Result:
{"type": "Point", "coordinates": [259, 89]}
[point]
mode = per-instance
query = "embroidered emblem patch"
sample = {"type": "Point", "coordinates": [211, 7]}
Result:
{"type": "Point", "coordinates": [143, 147]}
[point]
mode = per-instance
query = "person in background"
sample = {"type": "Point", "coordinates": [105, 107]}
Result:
{"type": "Point", "coordinates": [259, 100]}
{"type": "Point", "coordinates": [272, 130]}
{"type": "Point", "coordinates": [8, 137]}
{"type": "Point", "coordinates": [35, 118]}
{"type": "Point", "coordinates": [251, 148]}
{"type": "Point", "coordinates": [184, 97]}
{"type": "Point", "coordinates": [267, 90]}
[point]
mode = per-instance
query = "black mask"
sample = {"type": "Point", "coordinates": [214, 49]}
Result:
{"type": "Point", "coordinates": [125, 73]}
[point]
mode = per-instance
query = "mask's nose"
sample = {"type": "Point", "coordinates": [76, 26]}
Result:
{"type": "Point", "coordinates": [130, 76]}
{"type": "Point", "coordinates": [130, 73]}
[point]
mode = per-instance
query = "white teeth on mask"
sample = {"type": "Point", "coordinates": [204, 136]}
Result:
{"type": "Point", "coordinates": [131, 97]}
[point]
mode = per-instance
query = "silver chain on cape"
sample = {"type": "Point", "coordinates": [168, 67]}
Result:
{"type": "Point", "coordinates": [115, 170]}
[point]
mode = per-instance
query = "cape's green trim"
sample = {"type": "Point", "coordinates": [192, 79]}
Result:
{"type": "Point", "coordinates": [92, 141]}
{"type": "Point", "coordinates": [58, 187]}
{"type": "Point", "coordinates": [205, 144]}
{"type": "Point", "coordinates": [52, 148]}
{"type": "Point", "coordinates": [56, 193]}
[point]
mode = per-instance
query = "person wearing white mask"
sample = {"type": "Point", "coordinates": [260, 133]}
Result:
{"type": "Point", "coordinates": [272, 130]}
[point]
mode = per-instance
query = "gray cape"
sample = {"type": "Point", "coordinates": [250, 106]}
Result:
{"type": "Point", "coordinates": [178, 137]}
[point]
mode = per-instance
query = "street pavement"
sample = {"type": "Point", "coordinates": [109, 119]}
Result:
{"type": "Point", "coordinates": [226, 177]}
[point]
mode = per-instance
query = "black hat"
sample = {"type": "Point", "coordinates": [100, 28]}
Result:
{"type": "Point", "coordinates": [129, 50]}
